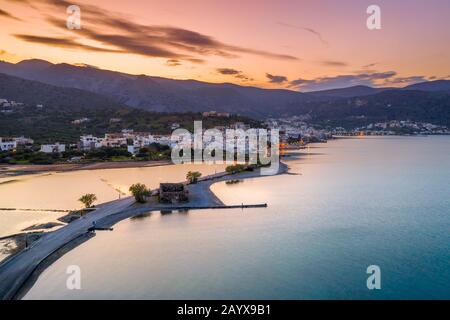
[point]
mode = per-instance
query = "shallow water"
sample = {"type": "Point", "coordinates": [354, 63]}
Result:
{"type": "Point", "coordinates": [355, 203]}
{"type": "Point", "coordinates": [62, 190]}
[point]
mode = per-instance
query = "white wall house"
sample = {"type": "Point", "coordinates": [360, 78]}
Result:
{"type": "Point", "coordinates": [7, 144]}
{"type": "Point", "coordinates": [164, 140]}
{"type": "Point", "coordinates": [53, 148]}
{"type": "Point", "coordinates": [143, 141]}
{"type": "Point", "coordinates": [23, 141]}
{"type": "Point", "coordinates": [114, 140]}
{"type": "Point", "coordinates": [132, 149]}
{"type": "Point", "coordinates": [80, 121]}
{"type": "Point", "coordinates": [89, 142]}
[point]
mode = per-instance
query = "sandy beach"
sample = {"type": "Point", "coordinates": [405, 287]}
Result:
{"type": "Point", "coordinates": [18, 272]}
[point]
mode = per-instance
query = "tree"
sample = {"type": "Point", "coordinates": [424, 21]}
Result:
{"type": "Point", "coordinates": [88, 199]}
{"type": "Point", "coordinates": [192, 176]}
{"type": "Point", "coordinates": [140, 192]}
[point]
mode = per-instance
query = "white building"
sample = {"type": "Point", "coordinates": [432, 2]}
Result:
{"type": "Point", "coordinates": [174, 126]}
{"type": "Point", "coordinates": [114, 140]}
{"type": "Point", "coordinates": [132, 149]}
{"type": "Point", "coordinates": [23, 141]}
{"type": "Point", "coordinates": [143, 141]}
{"type": "Point", "coordinates": [89, 142]}
{"type": "Point", "coordinates": [164, 140]}
{"type": "Point", "coordinates": [80, 121]}
{"type": "Point", "coordinates": [53, 148]}
{"type": "Point", "coordinates": [7, 144]}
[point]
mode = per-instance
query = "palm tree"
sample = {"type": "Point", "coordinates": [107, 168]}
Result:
{"type": "Point", "coordinates": [140, 192]}
{"type": "Point", "coordinates": [192, 176]}
{"type": "Point", "coordinates": [88, 199]}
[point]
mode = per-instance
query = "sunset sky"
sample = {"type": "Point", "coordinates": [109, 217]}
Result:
{"type": "Point", "coordinates": [299, 44]}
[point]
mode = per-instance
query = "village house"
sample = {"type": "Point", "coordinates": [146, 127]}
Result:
{"type": "Point", "coordinates": [132, 149]}
{"type": "Point", "coordinates": [7, 144]}
{"type": "Point", "coordinates": [23, 141]}
{"type": "Point", "coordinates": [215, 114]}
{"type": "Point", "coordinates": [173, 193]}
{"type": "Point", "coordinates": [164, 140]}
{"type": "Point", "coordinates": [53, 148]}
{"type": "Point", "coordinates": [114, 140]}
{"type": "Point", "coordinates": [80, 121]}
{"type": "Point", "coordinates": [89, 142]}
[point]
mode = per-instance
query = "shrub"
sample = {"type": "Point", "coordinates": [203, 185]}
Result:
{"type": "Point", "coordinates": [192, 176]}
{"type": "Point", "coordinates": [236, 168]}
{"type": "Point", "coordinates": [140, 192]}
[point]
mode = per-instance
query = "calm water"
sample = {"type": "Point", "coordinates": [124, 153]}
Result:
{"type": "Point", "coordinates": [62, 190]}
{"type": "Point", "coordinates": [355, 203]}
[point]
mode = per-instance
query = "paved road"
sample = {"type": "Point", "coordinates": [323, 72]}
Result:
{"type": "Point", "coordinates": [15, 271]}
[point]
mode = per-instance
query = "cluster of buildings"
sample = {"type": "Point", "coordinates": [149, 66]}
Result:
{"type": "Point", "coordinates": [127, 138]}
{"type": "Point", "coordinates": [394, 127]}
{"type": "Point", "coordinates": [137, 140]}
{"type": "Point", "coordinates": [295, 128]}
{"type": "Point", "coordinates": [9, 106]}
{"type": "Point", "coordinates": [291, 129]}
{"type": "Point", "coordinates": [216, 114]}
{"type": "Point", "coordinates": [11, 143]}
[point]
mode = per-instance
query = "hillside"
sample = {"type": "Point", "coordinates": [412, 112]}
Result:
{"type": "Point", "coordinates": [355, 91]}
{"type": "Point", "coordinates": [428, 101]}
{"type": "Point", "coordinates": [63, 105]}
{"type": "Point", "coordinates": [419, 106]}
{"type": "Point", "coordinates": [160, 94]}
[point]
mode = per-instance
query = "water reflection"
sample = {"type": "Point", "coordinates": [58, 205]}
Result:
{"type": "Point", "coordinates": [367, 201]}
{"type": "Point", "coordinates": [62, 190]}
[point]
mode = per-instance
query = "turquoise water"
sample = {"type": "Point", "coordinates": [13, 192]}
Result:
{"type": "Point", "coordinates": [354, 203]}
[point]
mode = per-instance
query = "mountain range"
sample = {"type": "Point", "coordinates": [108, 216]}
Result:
{"type": "Point", "coordinates": [427, 101]}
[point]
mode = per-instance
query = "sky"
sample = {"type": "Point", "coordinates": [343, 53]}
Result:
{"type": "Point", "coordinates": [302, 45]}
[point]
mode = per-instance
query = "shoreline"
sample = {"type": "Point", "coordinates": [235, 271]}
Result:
{"type": "Point", "coordinates": [19, 272]}
{"type": "Point", "coordinates": [14, 170]}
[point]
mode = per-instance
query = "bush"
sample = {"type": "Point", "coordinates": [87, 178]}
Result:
{"type": "Point", "coordinates": [192, 176]}
{"type": "Point", "coordinates": [140, 192]}
{"type": "Point", "coordinates": [236, 168]}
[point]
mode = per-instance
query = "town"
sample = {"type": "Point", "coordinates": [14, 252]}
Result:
{"type": "Point", "coordinates": [298, 127]}
{"type": "Point", "coordinates": [130, 145]}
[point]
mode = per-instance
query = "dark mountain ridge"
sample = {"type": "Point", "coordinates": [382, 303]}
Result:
{"type": "Point", "coordinates": [428, 101]}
